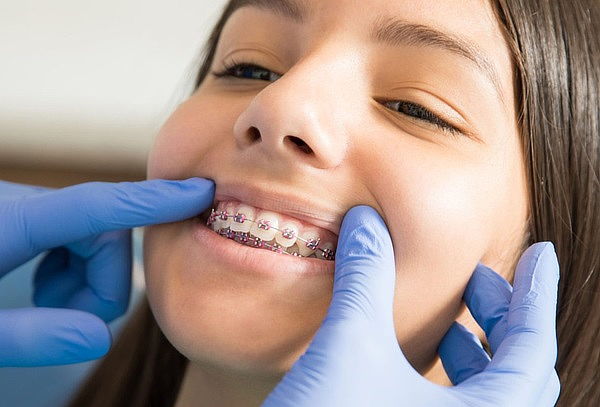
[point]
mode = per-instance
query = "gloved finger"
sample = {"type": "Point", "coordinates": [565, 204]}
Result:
{"type": "Point", "coordinates": [108, 274]}
{"type": "Point", "coordinates": [359, 323]}
{"type": "Point", "coordinates": [50, 336]}
{"type": "Point", "coordinates": [83, 210]}
{"type": "Point", "coordinates": [11, 190]}
{"type": "Point", "coordinates": [525, 359]}
{"type": "Point", "coordinates": [57, 277]}
{"type": "Point", "coordinates": [531, 332]}
{"type": "Point", "coordinates": [55, 218]}
{"type": "Point", "coordinates": [97, 278]}
{"type": "Point", "coordinates": [462, 353]}
{"type": "Point", "coordinates": [551, 391]}
{"type": "Point", "coordinates": [365, 272]}
{"type": "Point", "coordinates": [488, 296]}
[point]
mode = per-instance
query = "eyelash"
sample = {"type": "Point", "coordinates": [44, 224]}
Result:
{"type": "Point", "coordinates": [410, 109]}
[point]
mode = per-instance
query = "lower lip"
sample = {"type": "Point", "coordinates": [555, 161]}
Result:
{"type": "Point", "coordinates": [243, 258]}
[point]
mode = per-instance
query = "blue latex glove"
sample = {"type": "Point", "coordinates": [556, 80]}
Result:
{"type": "Point", "coordinates": [85, 280]}
{"type": "Point", "coordinates": [355, 360]}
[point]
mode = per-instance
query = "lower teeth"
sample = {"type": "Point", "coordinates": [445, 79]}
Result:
{"type": "Point", "coordinates": [248, 239]}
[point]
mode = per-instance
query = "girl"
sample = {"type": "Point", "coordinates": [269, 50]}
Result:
{"type": "Point", "coordinates": [471, 127]}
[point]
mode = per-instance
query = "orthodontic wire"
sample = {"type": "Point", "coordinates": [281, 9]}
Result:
{"type": "Point", "coordinates": [329, 254]}
{"type": "Point", "coordinates": [237, 236]}
{"type": "Point", "coordinates": [276, 228]}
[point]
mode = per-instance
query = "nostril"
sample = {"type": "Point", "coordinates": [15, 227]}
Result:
{"type": "Point", "coordinates": [301, 144]}
{"type": "Point", "coordinates": [254, 134]}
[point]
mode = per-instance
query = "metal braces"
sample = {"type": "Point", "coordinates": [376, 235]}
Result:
{"type": "Point", "coordinates": [249, 240]}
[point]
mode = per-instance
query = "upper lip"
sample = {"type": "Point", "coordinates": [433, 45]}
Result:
{"type": "Point", "coordinates": [295, 205]}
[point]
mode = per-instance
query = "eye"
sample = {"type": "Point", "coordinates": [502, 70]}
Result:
{"type": "Point", "coordinates": [421, 113]}
{"type": "Point", "coordinates": [249, 70]}
{"type": "Point", "coordinates": [246, 70]}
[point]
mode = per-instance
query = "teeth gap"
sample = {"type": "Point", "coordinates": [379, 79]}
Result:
{"type": "Point", "coordinates": [249, 239]}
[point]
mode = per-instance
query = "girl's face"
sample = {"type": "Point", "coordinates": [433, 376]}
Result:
{"type": "Point", "coordinates": [331, 118]}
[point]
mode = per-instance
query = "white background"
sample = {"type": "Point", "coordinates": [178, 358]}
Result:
{"type": "Point", "coordinates": [88, 83]}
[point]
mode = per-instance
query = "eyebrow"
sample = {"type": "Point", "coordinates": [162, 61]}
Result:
{"type": "Point", "coordinates": [391, 31]}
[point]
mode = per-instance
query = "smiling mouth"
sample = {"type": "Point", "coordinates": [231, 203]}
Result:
{"type": "Point", "coordinates": [268, 230]}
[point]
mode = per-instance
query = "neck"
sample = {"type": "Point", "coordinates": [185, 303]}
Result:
{"type": "Point", "coordinates": [205, 385]}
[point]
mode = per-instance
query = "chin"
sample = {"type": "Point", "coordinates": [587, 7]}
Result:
{"type": "Point", "coordinates": [215, 314]}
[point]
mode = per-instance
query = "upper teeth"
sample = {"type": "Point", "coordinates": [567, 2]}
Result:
{"type": "Point", "coordinates": [265, 227]}
{"type": "Point", "coordinates": [241, 226]}
{"type": "Point", "coordinates": [287, 234]}
{"type": "Point", "coordinates": [269, 226]}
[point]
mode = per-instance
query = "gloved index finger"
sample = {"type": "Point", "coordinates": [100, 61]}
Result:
{"type": "Point", "coordinates": [11, 190]}
{"type": "Point", "coordinates": [488, 296]}
{"type": "Point", "coordinates": [365, 272]}
{"type": "Point", "coordinates": [526, 356]}
{"type": "Point", "coordinates": [58, 217]}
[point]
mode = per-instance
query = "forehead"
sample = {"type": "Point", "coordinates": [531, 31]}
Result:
{"type": "Point", "coordinates": [471, 23]}
{"type": "Point", "coordinates": [470, 19]}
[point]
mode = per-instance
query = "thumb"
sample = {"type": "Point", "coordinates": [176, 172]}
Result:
{"type": "Point", "coordinates": [365, 272]}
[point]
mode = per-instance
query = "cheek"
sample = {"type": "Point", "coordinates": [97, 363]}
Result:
{"type": "Point", "coordinates": [158, 260]}
{"type": "Point", "coordinates": [440, 228]}
{"type": "Point", "coordinates": [195, 127]}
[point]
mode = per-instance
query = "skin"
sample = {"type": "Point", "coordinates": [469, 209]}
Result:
{"type": "Point", "coordinates": [449, 202]}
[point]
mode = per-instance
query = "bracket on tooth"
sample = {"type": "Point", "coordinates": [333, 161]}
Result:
{"type": "Point", "coordinates": [264, 224]}
{"type": "Point", "coordinates": [276, 248]}
{"type": "Point", "coordinates": [328, 254]}
{"type": "Point", "coordinates": [246, 238]}
{"type": "Point", "coordinates": [211, 218]}
{"type": "Point", "coordinates": [312, 243]}
{"type": "Point", "coordinates": [242, 236]}
{"type": "Point", "coordinates": [239, 217]}
{"type": "Point", "coordinates": [288, 233]}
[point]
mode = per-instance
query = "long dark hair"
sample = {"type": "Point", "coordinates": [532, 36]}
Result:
{"type": "Point", "coordinates": [556, 54]}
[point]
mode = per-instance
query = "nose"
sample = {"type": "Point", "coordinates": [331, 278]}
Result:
{"type": "Point", "coordinates": [297, 120]}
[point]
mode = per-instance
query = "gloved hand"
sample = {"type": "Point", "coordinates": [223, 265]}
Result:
{"type": "Point", "coordinates": [85, 280]}
{"type": "Point", "coordinates": [355, 360]}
